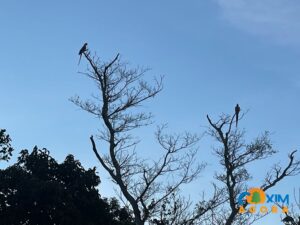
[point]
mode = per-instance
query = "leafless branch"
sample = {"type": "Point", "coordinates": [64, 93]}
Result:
{"type": "Point", "coordinates": [234, 155]}
{"type": "Point", "coordinates": [146, 186]}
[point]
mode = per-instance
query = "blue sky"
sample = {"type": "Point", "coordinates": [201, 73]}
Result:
{"type": "Point", "coordinates": [213, 54]}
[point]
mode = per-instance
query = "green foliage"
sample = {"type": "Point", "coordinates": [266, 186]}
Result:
{"type": "Point", "coordinates": [255, 197]}
{"type": "Point", "coordinates": [38, 190]}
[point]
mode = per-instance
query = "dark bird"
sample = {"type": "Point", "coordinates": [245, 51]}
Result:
{"type": "Point", "coordinates": [237, 111]}
{"type": "Point", "coordinates": [288, 220]}
{"type": "Point", "coordinates": [81, 51]}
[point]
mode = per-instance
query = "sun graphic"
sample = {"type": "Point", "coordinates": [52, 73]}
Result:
{"type": "Point", "coordinates": [257, 196]}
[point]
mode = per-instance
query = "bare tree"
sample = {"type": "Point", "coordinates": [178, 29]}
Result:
{"type": "Point", "coordinates": [235, 155]}
{"type": "Point", "coordinates": [144, 184]}
{"type": "Point", "coordinates": [177, 210]}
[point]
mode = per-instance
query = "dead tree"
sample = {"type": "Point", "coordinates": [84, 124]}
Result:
{"type": "Point", "coordinates": [144, 185]}
{"type": "Point", "coordinates": [235, 155]}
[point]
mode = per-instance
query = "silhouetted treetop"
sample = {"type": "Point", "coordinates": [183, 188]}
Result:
{"type": "Point", "coordinates": [39, 190]}
{"type": "Point", "coordinates": [5, 146]}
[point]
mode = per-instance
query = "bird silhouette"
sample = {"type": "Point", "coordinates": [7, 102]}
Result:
{"type": "Point", "coordinates": [289, 220]}
{"type": "Point", "coordinates": [81, 51]}
{"type": "Point", "coordinates": [237, 111]}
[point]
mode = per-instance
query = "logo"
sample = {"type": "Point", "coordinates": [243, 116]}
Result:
{"type": "Point", "coordinates": [255, 197]}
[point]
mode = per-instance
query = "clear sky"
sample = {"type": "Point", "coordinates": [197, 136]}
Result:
{"type": "Point", "coordinates": [213, 53]}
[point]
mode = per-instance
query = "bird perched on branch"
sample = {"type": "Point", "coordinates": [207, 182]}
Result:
{"type": "Point", "coordinates": [81, 51]}
{"type": "Point", "coordinates": [237, 111]}
{"type": "Point", "coordinates": [289, 220]}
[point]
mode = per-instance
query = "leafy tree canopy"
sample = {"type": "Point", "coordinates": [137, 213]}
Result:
{"type": "Point", "coordinates": [38, 190]}
{"type": "Point", "coordinates": [5, 147]}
